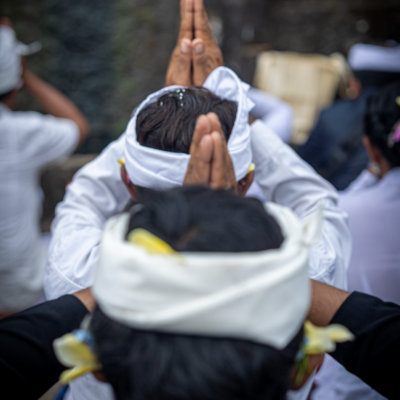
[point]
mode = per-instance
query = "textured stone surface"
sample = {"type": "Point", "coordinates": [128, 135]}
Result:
{"type": "Point", "coordinates": [108, 55]}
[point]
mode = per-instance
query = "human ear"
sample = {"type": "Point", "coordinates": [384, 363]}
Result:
{"type": "Point", "coordinates": [244, 184]}
{"type": "Point", "coordinates": [99, 375]}
{"type": "Point", "coordinates": [132, 189]}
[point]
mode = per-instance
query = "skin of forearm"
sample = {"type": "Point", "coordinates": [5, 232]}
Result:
{"type": "Point", "coordinates": [86, 298]}
{"type": "Point", "coordinates": [55, 103]}
{"type": "Point", "coordinates": [326, 301]}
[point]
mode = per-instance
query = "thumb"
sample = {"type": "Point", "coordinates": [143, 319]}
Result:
{"type": "Point", "coordinates": [200, 58]}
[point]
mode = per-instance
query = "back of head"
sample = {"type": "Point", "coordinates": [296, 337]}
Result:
{"type": "Point", "coordinates": [155, 365]}
{"type": "Point", "coordinates": [10, 61]}
{"type": "Point", "coordinates": [169, 123]}
{"type": "Point", "coordinates": [382, 116]}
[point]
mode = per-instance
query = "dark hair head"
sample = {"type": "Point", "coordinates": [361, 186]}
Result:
{"type": "Point", "coordinates": [5, 96]}
{"type": "Point", "coordinates": [201, 219]}
{"type": "Point", "coordinates": [169, 123]}
{"type": "Point", "coordinates": [144, 365]}
{"type": "Point", "coordinates": [382, 116]}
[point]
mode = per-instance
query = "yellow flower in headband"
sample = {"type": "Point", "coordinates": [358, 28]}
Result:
{"type": "Point", "coordinates": [74, 350]}
{"type": "Point", "coordinates": [323, 340]}
{"type": "Point", "coordinates": [150, 242]}
{"type": "Point", "coordinates": [317, 341]}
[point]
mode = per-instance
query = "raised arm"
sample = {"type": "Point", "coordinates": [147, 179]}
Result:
{"type": "Point", "coordinates": [95, 194]}
{"type": "Point", "coordinates": [54, 102]}
{"type": "Point", "coordinates": [286, 179]}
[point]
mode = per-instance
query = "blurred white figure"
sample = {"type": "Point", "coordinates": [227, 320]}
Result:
{"type": "Point", "coordinates": [28, 141]}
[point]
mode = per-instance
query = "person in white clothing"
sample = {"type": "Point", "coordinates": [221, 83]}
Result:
{"type": "Point", "coordinates": [373, 205]}
{"type": "Point", "coordinates": [274, 112]}
{"type": "Point", "coordinates": [28, 141]}
{"type": "Point", "coordinates": [102, 189]}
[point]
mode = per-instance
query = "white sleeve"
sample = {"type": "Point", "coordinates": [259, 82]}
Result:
{"type": "Point", "coordinates": [95, 194]}
{"type": "Point", "coordinates": [286, 179]}
{"type": "Point", "coordinates": [48, 139]}
{"type": "Point", "coordinates": [274, 112]}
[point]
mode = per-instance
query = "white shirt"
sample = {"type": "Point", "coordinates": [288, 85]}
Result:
{"type": "Point", "coordinates": [28, 141]}
{"type": "Point", "coordinates": [277, 115]}
{"type": "Point", "coordinates": [374, 210]}
{"type": "Point", "coordinates": [97, 192]}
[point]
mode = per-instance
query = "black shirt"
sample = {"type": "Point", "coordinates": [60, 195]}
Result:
{"type": "Point", "coordinates": [375, 354]}
{"type": "Point", "coordinates": [28, 365]}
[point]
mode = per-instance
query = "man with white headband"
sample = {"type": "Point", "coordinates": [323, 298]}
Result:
{"type": "Point", "coordinates": [28, 142]}
{"type": "Point", "coordinates": [98, 191]}
{"type": "Point", "coordinates": [207, 308]}
{"type": "Point", "coordinates": [335, 147]}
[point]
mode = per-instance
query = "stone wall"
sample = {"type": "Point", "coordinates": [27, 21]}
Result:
{"type": "Point", "coordinates": [108, 55]}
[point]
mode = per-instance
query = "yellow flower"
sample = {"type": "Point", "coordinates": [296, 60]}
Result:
{"type": "Point", "coordinates": [323, 340]}
{"type": "Point", "coordinates": [150, 242]}
{"type": "Point", "coordinates": [73, 350]}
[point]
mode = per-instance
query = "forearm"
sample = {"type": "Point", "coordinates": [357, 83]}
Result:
{"type": "Point", "coordinates": [55, 103]}
{"type": "Point", "coordinates": [325, 302]}
{"type": "Point", "coordinates": [86, 298]}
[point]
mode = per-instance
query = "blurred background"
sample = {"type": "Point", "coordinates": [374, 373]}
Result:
{"type": "Point", "coordinates": [108, 55]}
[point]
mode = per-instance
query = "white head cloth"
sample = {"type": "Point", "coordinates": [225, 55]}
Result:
{"type": "Point", "coordinates": [10, 58]}
{"type": "Point", "coordinates": [263, 297]}
{"type": "Point", "coordinates": [162, 170]}
{"type": "Point", "coordinates": [368, 57]}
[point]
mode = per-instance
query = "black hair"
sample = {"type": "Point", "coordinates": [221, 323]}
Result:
{"type": "Point", "coordinates": [169, 123]}
{"type": "Point", "coordinates": [201, 219]}
{"type": "Point", "coordinates": [147, 365]}
{"type": "Point", "coordinates": [382, 116]}
{"type": "Point", "coordinates": [4, 96]}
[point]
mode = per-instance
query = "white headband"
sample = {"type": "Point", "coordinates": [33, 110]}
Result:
{"type": "Point", "coordinates": [10, 58]}
{"type": "Point", "coordinates": [162, 170]}
{"type": "Point", "coordinates": [263, 297]}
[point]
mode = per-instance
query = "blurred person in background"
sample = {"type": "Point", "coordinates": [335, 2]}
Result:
{"type": "Point", "coordinates": [373, 205]}
{"type": "Point", "coordinates": [335, 147]}
{"type": "Point", "coordinates": [28, 142]}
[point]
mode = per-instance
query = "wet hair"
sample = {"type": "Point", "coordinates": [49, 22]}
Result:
{"type": "Point", "coordinates": [381, 119]}
{"type": "Point", "coordinates": [169, 123]}
{"type": "Point", "coordinates": [148, 365]}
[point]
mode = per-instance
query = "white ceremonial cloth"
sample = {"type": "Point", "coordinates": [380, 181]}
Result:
{"type": "Point", "coordinates": [10, 60]}
{"type": "Point", "coordinates": [276, 114]}
{"type": "Point", "coordinates": [28, 141]}
{"type": "Point", "coordinates": [369, 57]}
{"type": "Point", "coordinates": [374, 209]}
{"type": "Point", "coordinates": [211, 294]}
{"type": "Point", "coordinates": [148, 167]}
{"type": "Point", "coordinates": [97, 193]}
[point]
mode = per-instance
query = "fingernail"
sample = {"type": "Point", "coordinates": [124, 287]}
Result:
{"type": "Point", "coordinates": [199, 48]}
{"type": "Point", "coordinates": [184, 47]}
{"type": "Point", "coordinates": [202, 141]}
